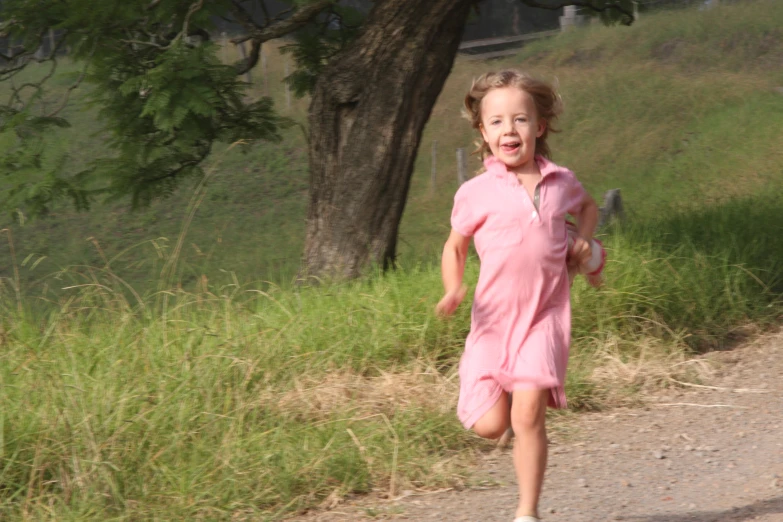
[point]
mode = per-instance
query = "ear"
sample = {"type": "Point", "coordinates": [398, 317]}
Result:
{"type": "Point", "coordinates": [541, 128]}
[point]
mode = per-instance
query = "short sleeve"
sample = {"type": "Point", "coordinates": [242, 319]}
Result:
{"type": "Point", "coordinates": [464, 217]}
{"type": "Point", "coordinates": [574, 194]}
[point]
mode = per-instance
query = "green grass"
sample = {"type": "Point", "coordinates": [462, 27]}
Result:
{"type": "Point", "coordinates": [188, 406]}
{"type": "Point", "coordinates": [241, 403]}
{"type": "Point", "coordinates": [251, 222]}
{"type": "Point", "coordinates": [231, 398]}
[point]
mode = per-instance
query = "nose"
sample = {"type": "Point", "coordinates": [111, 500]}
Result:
{"type": "Point", "coordinates": [508, 128]}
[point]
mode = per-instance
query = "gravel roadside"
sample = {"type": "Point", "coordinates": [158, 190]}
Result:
{"type": "Point", "coordinates": [699, 454]}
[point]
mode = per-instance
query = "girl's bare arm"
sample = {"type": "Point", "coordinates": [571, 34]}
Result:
{"type": "Point", "coordinates": [455, 251]}
{"type": "Point", "coordinates": [586, 221]}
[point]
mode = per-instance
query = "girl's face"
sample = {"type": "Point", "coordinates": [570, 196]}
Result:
{"type": "Point", "coordinates": [510, 126]}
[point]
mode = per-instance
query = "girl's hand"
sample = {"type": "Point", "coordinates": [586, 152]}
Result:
{"type": "Point", "coordinates": [451, 301]}
{"type": "Point", "coordinates": [581, 251]}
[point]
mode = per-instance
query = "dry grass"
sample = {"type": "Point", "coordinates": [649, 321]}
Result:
{"type": "Point", "coordinates": [627, 377]}
{"type": "Point", "coordinates": [350, 394]}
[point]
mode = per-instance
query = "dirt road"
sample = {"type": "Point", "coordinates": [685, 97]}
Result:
{"type": "Point", "coordinates": [696, 454]}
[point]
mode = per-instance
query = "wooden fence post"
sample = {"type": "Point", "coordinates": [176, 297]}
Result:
{"type": "Point", "coordinates": [570, 18]}
{"type": "Point", "coordinates": [462, 175]}
{"type": "Point", "coordinates": [40, 53]}
{"type": "Point", "coordinates": [613, 208]}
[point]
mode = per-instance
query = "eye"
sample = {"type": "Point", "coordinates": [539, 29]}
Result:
{"type": "Point", "coordinates": [521, 119]}
{"type": "Point", "coordinates": [494, 122]}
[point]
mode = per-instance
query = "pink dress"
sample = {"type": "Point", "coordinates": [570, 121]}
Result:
{"type": "Point", "coordinates": [521, 317]}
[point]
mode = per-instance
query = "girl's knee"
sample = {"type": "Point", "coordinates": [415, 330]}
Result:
{"type": "Point", "coordinates": [494, 423]}
{"type": "Point", "coordinates": [490, 428]}
{"type": "Point", "coordinates": [528, 411]}
{"type": "Point", "coordinates": [526, 421]}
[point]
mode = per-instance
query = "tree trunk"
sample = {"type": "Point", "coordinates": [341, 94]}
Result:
{"type": "Point", "coordinates": [367, 114]}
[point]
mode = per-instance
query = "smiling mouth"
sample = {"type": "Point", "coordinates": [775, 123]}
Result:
{"type": "Point", "coordinates": [510, 147]}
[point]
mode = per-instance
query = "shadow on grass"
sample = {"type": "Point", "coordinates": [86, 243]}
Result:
{"type": "Point", "coordinates": [700, 275]}
{"type": "Point", "coordinates": [745, 231]}
{"type": "Point", "coordinates": [773, 506]}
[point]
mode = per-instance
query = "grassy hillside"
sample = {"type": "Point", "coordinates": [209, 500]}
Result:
{"type": "Point", "coordinates": [230, 400]}
{"type": "Point", "coordinates": [680, 109]}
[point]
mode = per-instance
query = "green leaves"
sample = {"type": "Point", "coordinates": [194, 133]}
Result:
{"type": "Point", "coordinates": [612, 11]}
{"type": "Point", "coordinates": [163, 95]}
{"type": "Point", "coordinates": [318, 42]}
{"type": "Point", "coordinates": [32, 157]}
{"type": "Point", "coordinates": [165, 116]}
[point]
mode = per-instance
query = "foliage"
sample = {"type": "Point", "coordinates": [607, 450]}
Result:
{"type": "Point", "coordinates": [164, 96]}
{"type": "Point", "coordinates": [32, 161]}
{"type": "Point", "coordinates": [319, 42]}
{"type": "Point", "coordinates": [610, 12]}
{"type": "Point", "coordinates": [164, 112]}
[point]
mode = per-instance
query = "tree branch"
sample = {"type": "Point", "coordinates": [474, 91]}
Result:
{"type": "Point", "coordinates": [36, 86]}
{"type": "Point", "coordinates": [19, 60]}
{"type": "Point", "coordinates": [267, 18]}
{"type": "Point", "coordinates": [202, 33]}
{"type": "Point", "coordinates": [206, 149]}
{"type": "Point", "coordinates": [280, 28]}
{"type": "Point", "coordinates": [248, 63]}
{"type": "Point", "coordinates": [139, 42]}
{"type": "Point", "coordinates": [76, 84]}
{"type": "Point", "coordinates": [282, 14]}
{"type": "Point", "coordinates": [7, 73]}
{"type": "Point", "coordinates": [193, 8]}
{"type": "Point", "coordinates": [553, 7]}
{"type": "Point", "coordinates": [172, 38]}
{"type": "Point", "coordinates": [243, 17]}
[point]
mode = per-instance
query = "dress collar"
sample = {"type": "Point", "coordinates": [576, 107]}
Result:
{"type": "Point", "coordinates": [499, 169]}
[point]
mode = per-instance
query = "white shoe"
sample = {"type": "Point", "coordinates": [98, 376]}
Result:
{"type": "Point", "coordinates": [527, 518]}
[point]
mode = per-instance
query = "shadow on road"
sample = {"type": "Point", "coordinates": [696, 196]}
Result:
{"type": "Point", "coordinates": [772, 506]}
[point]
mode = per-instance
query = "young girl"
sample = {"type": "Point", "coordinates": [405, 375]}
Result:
{"type": "Point", "coordinates": [516, 354]}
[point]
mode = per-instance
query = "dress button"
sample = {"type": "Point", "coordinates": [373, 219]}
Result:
{"type": "Point", "coordinates": [535, 214]}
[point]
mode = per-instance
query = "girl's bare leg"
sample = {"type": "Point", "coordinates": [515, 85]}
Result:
{"type": "Point", "coordinates": [493, 424]}
{"type": "Point", "coordinates": [528, 419]}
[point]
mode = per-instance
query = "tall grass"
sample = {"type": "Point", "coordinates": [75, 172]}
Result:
{"type": "Point", "coordinates": [240, 403]}
{"type": "Point", "coordinates": [703, 273]}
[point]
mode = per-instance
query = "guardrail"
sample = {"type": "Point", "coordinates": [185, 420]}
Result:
{"type": "Point", "coordinates": [503, 40]}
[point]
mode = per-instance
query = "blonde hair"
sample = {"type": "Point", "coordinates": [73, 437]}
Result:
{"type": "Point", "coordinates": [548, 104]}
